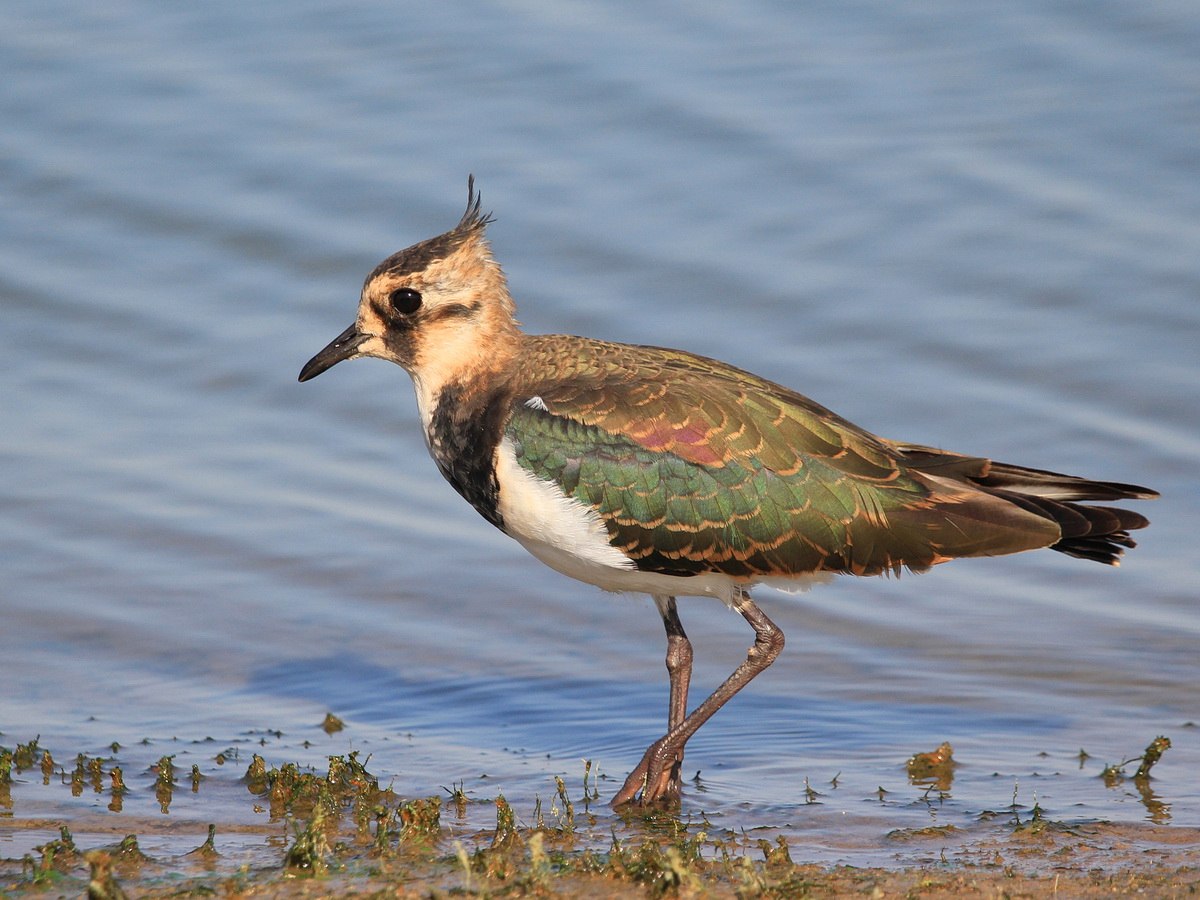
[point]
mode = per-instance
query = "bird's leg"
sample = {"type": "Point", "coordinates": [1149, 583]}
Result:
{"type": "Point", "coordinates": [679, 668]}
{"type": "Point", "coordinates": [653, 775]}
{"type": "Point", "coordinates": [679, 660]}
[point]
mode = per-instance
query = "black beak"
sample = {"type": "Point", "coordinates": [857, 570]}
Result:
{"type": "Point", "coordinates": [344, 346]}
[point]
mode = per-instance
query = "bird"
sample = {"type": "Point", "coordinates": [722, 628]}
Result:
{"type": "Point", "coordinates": [657, 471]}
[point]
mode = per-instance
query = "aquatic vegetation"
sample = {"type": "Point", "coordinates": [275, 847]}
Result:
{"type": "Point", "coordinates": [341, 832]}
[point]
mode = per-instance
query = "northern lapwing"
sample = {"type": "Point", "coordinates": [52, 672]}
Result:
{"type": "Point", "coordinates": [662, 472]}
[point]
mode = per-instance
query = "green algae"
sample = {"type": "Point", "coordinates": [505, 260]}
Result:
{"type": "Point", "coordinates": [348, 835]}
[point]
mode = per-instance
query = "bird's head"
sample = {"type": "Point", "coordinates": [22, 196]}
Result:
{"type": "Point", "coordinates": [439, 308]}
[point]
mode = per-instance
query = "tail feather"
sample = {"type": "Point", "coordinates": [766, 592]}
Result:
{"type": "Point", "coordinates": [1054, 485]}
{"type": "Point", "coordinates": [1105, 549]}
{"type": "Point", "coordinates": [1099, 533]}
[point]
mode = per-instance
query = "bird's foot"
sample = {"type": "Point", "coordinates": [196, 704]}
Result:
{"type": "Point", "coordinates": [655, 781]}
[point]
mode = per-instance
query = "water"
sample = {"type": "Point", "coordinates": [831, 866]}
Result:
{"type": "Point", "coordinates": [974, 227]}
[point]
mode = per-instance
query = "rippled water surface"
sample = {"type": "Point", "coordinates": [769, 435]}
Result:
{"type": "Point", "coordinates": [970, 226]}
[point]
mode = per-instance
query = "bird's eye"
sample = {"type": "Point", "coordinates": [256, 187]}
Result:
{"type": "Point", "coordinates": [405, 300]}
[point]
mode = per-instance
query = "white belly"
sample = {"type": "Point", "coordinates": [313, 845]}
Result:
{"type": "Point", "coordinates": [569, 537]}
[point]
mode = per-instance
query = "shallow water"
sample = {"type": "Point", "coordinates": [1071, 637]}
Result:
{"type": "Point", "coordinates": [975, 228]}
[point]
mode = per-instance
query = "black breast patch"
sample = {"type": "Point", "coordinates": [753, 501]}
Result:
{"type": "Point", "coordinates": [463, 436]}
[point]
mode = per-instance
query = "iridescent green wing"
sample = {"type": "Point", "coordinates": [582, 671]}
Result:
{"type": "Point", "coordinates": [695, 467]}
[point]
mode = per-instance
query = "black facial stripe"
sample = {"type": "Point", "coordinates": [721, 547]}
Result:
{"type": "Point", "coordinates": [398, 323]}
{"type": "Point", "coordinates": [454, 311]}
{"type": "Point", "coordinates": [400, 342]}
{"type": "Point", "coordinates": [384, 310]}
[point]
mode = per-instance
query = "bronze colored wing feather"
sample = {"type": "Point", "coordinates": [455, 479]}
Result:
{"type": "Point", "coordinates": [695, 466]}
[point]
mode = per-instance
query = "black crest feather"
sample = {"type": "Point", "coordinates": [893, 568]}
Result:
{"type": "Point", "coordinates": [418, 256]}
{"type": "Point", "coordinates": [474, 218]}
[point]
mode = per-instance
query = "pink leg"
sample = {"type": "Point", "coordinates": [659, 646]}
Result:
{"type": "Point", "coordinates": [657, 775]}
